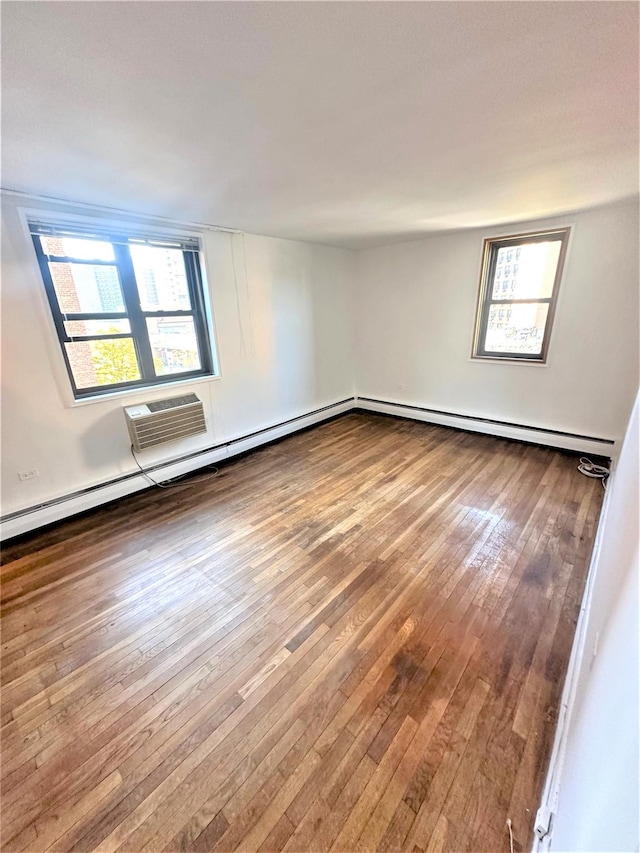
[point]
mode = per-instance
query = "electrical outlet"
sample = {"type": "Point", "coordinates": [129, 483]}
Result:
{"type": "Point", "coordinates": [543, 821]}
{"type": "Point", "coordinates": [31, 474]}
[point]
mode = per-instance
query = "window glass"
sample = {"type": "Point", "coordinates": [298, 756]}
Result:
{"type": "Point", "coordinates": [87, 288]}
{"type": "Point", "coordinates": [77, 247]}
{"type": "Point", "coordinates": [516, 328]}
{"type": "Point", "coordinates": [532, 277]}
{"type": "Point", "coordinates": [174, 344]}
{"type": "Point", "coordinates": [161, 278]}
{"type": "Point", "coordinates": [105, 362]}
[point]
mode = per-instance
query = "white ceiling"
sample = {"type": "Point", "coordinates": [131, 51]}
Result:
{"type": "Point", "coordinates": [348, 123]}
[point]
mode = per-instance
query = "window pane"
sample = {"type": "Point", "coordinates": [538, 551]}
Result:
{"type": "Point", "coordinates": [87, 288]}
{"type": "Point", "coordinates": [97, 327]}
{"type": "Point", "coordinates": [526, 271]}
{"type": "Point", "coordinates": [516, 328]}
{"type": "Point", "coordinates": [161, 278]}
{"type": "Point", "coordinates": [103, 362]}
{"type": "Point", "coordinates": [173, 344]}
{"type": "Point", "coordinates": [76, 247]}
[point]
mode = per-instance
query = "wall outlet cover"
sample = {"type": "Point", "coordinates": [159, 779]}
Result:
{"type": "Point", "coordinates": [31, 474]}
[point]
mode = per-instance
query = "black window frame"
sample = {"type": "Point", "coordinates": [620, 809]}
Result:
{"type": "Point", "coordinates": [492, 246]}
{"type": "Point", "coordinates": [133, 312]}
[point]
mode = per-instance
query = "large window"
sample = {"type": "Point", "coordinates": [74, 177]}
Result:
{"type": "Point", "coordinates": [129, 310]}
{"type": "Point", "coordinates": [518, 293]}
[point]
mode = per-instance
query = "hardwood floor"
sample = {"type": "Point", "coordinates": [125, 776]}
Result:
{"type": "Point", "coordinates": [354, 639]}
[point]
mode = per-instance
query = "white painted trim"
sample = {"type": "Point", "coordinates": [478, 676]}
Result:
{"type": "Point", "coordinates": [531, 436]}
{"type": "Point", "coordinates": [551, 790]}
{"type": "Point", "coordinates": [73, 504]}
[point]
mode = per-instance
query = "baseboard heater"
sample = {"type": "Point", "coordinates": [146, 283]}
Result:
{"type": "Point", "coordinates": [47, 512]}
{"type": "Point", "coordinates": [528, 433]}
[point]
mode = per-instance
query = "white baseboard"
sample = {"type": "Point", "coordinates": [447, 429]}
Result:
{"type": "Point", "coordinates": [70, 505]}
{"type": "Point", "coordinates": [532, 435]}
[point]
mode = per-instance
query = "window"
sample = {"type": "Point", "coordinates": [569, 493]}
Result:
{"type": "Point", "coordinates": [129, 310]}
{"type": "Point", "coordinates": [517, 300]}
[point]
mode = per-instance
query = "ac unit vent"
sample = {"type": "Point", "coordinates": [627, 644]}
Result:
{"type": "Point", "coordinates": [164, 420]}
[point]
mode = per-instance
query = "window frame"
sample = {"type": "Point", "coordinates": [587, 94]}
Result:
{"type": "Point", "coordinates": [491, 247]}
{"type": "Point", "coordinates": [133, 312]}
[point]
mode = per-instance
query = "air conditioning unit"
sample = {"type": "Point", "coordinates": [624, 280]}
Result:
{"type": "Point", "coordinates": [164, 420]}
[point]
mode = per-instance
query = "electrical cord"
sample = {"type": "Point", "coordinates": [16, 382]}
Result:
{"type": "Point", "coordinates": [174, 481]}
{"type": "Point", "coordinates": [590, 469]}
{"type": "Point", "coordinates": [510, 834]}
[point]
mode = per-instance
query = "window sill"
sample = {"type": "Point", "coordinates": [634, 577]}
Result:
{"type": "Point", "coordinates": [489, 360]}
{"type": "Point", "coordinates": [140, 391]}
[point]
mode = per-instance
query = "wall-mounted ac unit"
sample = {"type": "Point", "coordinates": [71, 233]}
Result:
{"type": "Point", "coordinates": [164, 420]}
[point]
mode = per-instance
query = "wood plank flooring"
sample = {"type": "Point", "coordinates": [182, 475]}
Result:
{"type": "Point", "coordinates": [354, 639]}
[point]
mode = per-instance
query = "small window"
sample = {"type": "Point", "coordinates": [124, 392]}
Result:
{"type": "Point", "coordinates": [129, 311]}
{"type": "Point", "coordinates": [528, 289]}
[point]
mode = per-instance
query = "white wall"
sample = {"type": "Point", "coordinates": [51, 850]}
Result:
{"type": "Point", "coordinates": [284, 347]}
{"type": "Point", "coordinates": [291, 338]}
{"type": "Point", "coordinates": [598, 807]}
{"type": "Point", "coordinates": [415, 316]}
